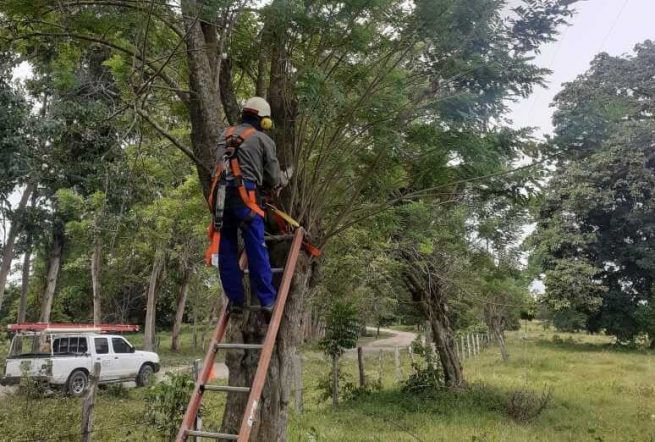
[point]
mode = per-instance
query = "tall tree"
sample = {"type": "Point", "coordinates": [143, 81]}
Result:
{"type": "Point", "coordinates": [595, 233]}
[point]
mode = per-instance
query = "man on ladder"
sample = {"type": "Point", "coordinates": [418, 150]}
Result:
{"type": "Point", "coordinates": [246, 165]}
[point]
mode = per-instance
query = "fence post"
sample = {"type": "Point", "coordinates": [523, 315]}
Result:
{"type": "Point", "coordinates": [463, 347]}
{"type": "Point", "coordinates": [297, 376]}
{"type": "Point", "coordinates": [468, 342]}
{"type": "Point", "coordinates": [360, 364]}
{"type": "Point", "coordinates": [399, 369]}
{"type": "Point", "coordinates": [380, 367]}
{"type": "Point", "coordinates": [88, 403]}
{"type": "Point", "coordinates": [335, 381]}
{"type": "Point", "coordinates": [477, 342]}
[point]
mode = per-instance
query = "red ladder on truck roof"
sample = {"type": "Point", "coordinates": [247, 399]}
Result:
{"type": "Point", "coordinates": [70, 327]}
{"type": "Point", "coordinates": [255, 391]}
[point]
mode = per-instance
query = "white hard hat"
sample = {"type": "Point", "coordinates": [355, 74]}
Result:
{"type": "Point", "coordinates": [258, 106]}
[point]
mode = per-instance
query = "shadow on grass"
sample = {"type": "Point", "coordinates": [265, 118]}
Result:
{"type": "Point", "coordinates": [574, 346]}
{"type": "Point", "coordinates": [474, 400]}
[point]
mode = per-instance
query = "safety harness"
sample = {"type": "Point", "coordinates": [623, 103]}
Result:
{"type": "Point", "coordinates": [218, 188]}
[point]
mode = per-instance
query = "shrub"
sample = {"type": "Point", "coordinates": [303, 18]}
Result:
{"type": "Point", "coordinates": [348, 390]}
{"type": "Point", "coordinates": [524, 405]}
{"type": "Point", "coordinates": [166, 403]}
{"type": "Point", "coordinates": [427, 374]}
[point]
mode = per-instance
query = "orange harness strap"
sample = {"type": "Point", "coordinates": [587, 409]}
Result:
{"type": "Point", "coordinates": [247, 196]}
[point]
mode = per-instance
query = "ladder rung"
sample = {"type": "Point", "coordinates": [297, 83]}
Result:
{"type": "Point", "coordinates": [285, 237]}
{"type": "Point", "coordinates": [239, 346]}
{"type": "Point", "coordinates": [212, 435]}
{"type": "Point", "coordinates": [226, 388]}
{"type": "Point", "coordinates": [274, 270]}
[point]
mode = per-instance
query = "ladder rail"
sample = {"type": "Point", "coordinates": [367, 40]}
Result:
{"type": "Point", "coordinates": [203, 376]}
{"type": "Point", "coordinates": [271, 336]}
{"type": "Point", "coordinates": [188, 422]}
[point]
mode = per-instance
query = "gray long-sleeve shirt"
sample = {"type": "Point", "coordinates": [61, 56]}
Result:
{"type": "Point", "coordinates": [257, 158]}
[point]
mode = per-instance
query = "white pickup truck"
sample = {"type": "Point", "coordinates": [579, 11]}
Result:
{"type": "Point", "coordinates": [66, 359]}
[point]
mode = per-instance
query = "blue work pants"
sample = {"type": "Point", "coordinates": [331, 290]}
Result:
{"type": "Point", "coordinates": [261, 277]}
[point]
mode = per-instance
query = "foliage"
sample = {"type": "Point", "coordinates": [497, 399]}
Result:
{"type": "Point", "coordinates": [341, 329]}
{"type": "Point", "coordinates": [349, 390]}
{"type": "Point", "coordinates": [594, 237]}
{"type": "Point", "coordinates": [525, 405]}
{"type": "Point", "coordinates": [166, 403]}
{"type": "Point", "coordinates": [426, 376]}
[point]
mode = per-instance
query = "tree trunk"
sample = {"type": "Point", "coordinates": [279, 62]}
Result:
{"type": "Point", "coordinates": [273, 410]}
{"type": "Point", "coordinates": [179, 313]}
{"type": "Point", "coordinates": [435, 308]}
{"type": "Point", "coordinates": [151, 303]}
{"type": "Point", "coordinates": [25, 282]}
{"type": "Point", "coordinates": [54, 264]}
{"type": "Point", "coordinates": [501, 344]}
{"type": "Point", "coordinates": [96, 269]}
{"type": "Point", "coordinates": [204, 103]}
{"type": "Point", "coordinates": [8, 249]}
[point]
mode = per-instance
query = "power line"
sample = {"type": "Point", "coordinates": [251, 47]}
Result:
{"type": "Point", "coordinates": [611, 29]}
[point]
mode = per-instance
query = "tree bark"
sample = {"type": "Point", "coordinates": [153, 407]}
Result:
{"type": "Point", "coordinates": [495, 320]}
{"type": "Point", "coordinates": [179, 313]}
{"type": "Point", "coordinates": [8, 249]}
{"type": "Point", "coordinates": [54, 264]}
{"type": "Point", "coordinates": [435, 308]}
{"type": "Point", "coordinates": [96, 269]}
{"type": "Point", "coordinates": [204, 102]}
{"type": "Point", "coordinates": [273, 411]}
{"type": "Point", "coordinates": [501, 344]}
{"type": "Point", "coordinates": [151, 303]}
{"type": "Point", "coordinates": [25, 281]}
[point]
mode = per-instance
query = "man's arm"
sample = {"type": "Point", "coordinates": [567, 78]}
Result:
{"type": "Point", "coordinates": [220, 149]}
{"type": "Point", "coordinates": [271, 177]}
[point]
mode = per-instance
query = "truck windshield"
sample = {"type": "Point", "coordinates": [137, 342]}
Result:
{"type": "Point", "coordinates": [29, 346]}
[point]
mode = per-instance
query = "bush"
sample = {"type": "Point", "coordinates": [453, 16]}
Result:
{"type": "Point", "coordinates": [525, 405]}
{"type": "Point", "coordinates": [166, 403]}
{"type": "Point", "coordinates": [348, 389]}
{"type": "Point", "coordinates": [569, 321]}
{"type": "Point", "coordinates": [427, 375]}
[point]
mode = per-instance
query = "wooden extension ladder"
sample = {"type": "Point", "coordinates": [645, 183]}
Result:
{"type": "Point", "coordinates": [266, 348]}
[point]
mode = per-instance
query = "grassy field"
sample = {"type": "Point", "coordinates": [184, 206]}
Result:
{"type": "Point", "coordinates": [599, 393]}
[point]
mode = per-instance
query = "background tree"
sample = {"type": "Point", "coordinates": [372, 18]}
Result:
{"type": "Point", "coordinates": [594, 237]}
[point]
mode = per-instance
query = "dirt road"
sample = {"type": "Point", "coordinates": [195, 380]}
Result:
{"type": "Point", "coordinates": [398, 339]}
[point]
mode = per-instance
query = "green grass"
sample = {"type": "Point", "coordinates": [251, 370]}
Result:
{"type": "Point", "coordinates": [600, 393]}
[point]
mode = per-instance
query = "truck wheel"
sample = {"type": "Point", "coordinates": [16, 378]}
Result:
{"type": "Point", "coordinates": [145, 376]}
{"type": "Point", "coordinates": [77, 383]}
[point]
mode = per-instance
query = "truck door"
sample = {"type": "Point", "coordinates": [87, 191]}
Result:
{"type": "Point", "coordinates": [102, 355]}
{"type": "Point", "coordinates": [126, 361]}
